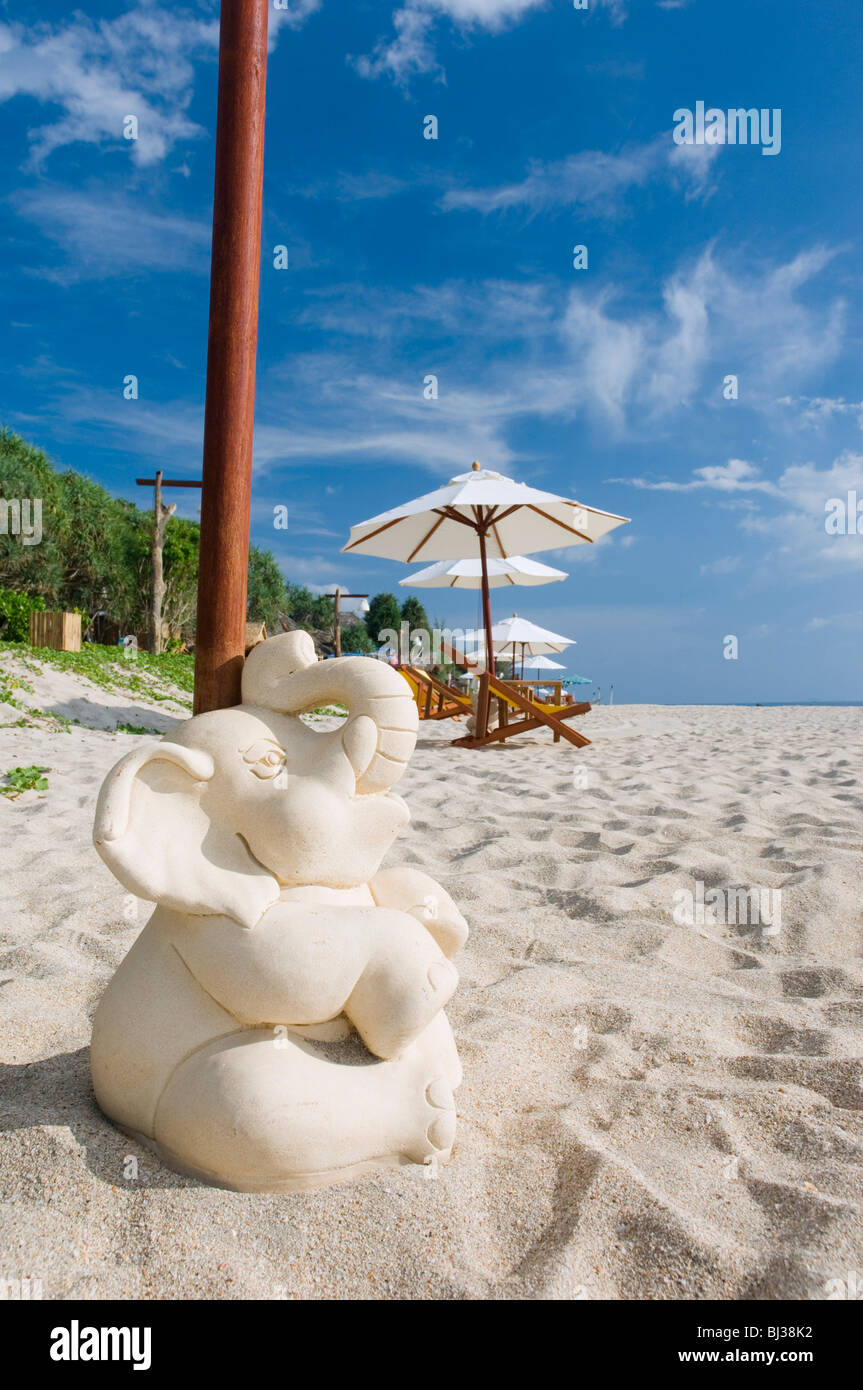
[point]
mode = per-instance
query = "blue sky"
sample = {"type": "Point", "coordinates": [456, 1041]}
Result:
{"type": "Point", "coordinates": [453, 257]}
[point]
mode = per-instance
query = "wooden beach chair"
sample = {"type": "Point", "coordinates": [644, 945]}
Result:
{"type": "Point", "coordinates": [434, 699]}
{"type": "Point", "coordinates": [517, 712]}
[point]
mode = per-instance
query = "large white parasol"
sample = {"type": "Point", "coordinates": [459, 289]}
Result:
{"type": "Point", "coordinates": [507, 519]}
{"type": "Point", "coordinates": [467, 574]}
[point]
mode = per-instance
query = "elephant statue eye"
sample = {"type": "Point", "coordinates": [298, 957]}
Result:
{"type": "Point", "coordinates": [265, 758]}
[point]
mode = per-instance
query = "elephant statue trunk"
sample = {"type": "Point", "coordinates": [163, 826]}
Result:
{"type": "Point", "coordinates": [371, 690]}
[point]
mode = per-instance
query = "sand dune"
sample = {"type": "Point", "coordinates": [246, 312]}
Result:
{"type": "Point", "coordinates": [651, 1109]}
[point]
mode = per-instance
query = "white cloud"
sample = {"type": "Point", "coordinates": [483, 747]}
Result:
{"type": "Point", "coordinates": [593, 179]}
{"type": "Point", "coordinates": [749, 322]}
{"type": "Point", "coordinates": [727, 564]}
{"type": "Point", "coordinates": [138, 64]}
{"type": "Point", "coordinates": [411, 53]}
{"type": "Point", "coordinates": [837, 620]}
{"type": "Point", "coordinates": [108, 233]}
{"type": "Point", "coordinates": [815, 411]}
{"type": "Point", "coordinates": [795, 541]}
{"type": "Point", "coordinates": [519, 341]}
{"type": "Point", "coordinates": [142, 64]}
{"type": "Point", "coordinates": [294, 17]}
{"type": "Point", "coordinates": [734, 476]}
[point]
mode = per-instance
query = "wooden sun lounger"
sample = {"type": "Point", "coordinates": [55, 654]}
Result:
{"type": "Point", "coordinates": [511, 702]}
{"type": "Point", "coordinates": [434, 699]}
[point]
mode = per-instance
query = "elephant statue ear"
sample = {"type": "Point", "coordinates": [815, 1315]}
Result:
{"type": "Point", "coordinates": [155, 836]}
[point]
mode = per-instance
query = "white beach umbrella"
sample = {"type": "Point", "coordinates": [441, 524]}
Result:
{"type": "Point", "coordinates": [507, 519]}
{"type": "Point", "coordinates": [542, 663]}
{"type": "Point", "coordinates": [517, 637]}
{"type": "Point", "coordinates": [467, 574]}
{"type": "Point", "coordinates": [520, 636]}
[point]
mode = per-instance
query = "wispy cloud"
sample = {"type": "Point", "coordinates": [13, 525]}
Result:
{"type": "Point", "coordinates": [789, 520]}
{"type": "Point", "coordinates": [734, 476]}
{"type": "Point", "coordinates": [821, 410]}
{"type": "Point", "coordinates": [594, 179]}
{"type": "Point", "coordinates": [841, 620]}
{"type": "Point", "coordinates": [590, 352]}
{"type": "Point", "coordinates": [797, 544]}
{"type": "Point", "coordinates": [292, 16]}
{"type": "Point", "coordinates": [94, 74]}
{"type": "Point", "coordinates": [715, 316]}
{"type": "Point", "coordinates": [410, 51]}
{"type": "Point", "coordinates": [105, 233]}
{"type": "Point", "coordinates": [97, 74]}
{"type": "Point", "coordinates": [726, 564]}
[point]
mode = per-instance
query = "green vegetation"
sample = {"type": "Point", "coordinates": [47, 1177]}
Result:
{"type": "Point", "coordinates": [384, 612]}
{"type": "Point", "coordinates": [152, 678]}
{"type": "Point", "coordinates": [15, 610]}
{"type": "Point", "coordinates": [356, 640]}
{"type": "Point", "coordinates": [414, 614]}
{"type": "Point", "coordinates": [24, 779]}
{"type": "Point", "coordinates": [94, 558]}
{"type": "Point", "coordinates": [135, 729]}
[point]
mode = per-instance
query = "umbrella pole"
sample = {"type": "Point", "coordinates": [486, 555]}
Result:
{"type": "Point", "coordinates": [486, 605]}
{"type": "Point", "coordinates": [484, 698]}
{"type": "Point", "coordinates": [228, 419]}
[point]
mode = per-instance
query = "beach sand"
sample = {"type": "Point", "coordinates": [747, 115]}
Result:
{"type": "Point", "coordinates": [651, 1110]}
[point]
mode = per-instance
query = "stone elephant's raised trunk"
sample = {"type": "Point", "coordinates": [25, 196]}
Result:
{"type": "Point", "coordinates": [284, 674]}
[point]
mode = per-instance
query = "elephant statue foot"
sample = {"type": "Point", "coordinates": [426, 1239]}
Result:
{"type": "Point", "coordinates": [246, 1115]}
{"type": "Point", "coordinates": [279, 1022]}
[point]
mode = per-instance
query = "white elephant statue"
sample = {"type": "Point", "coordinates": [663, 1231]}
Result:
{"type": "Point", "coordinates": [279, 1021]}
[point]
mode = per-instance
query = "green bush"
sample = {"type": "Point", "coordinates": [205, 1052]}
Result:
{"type": "Point", "coordinates": [15, 610]}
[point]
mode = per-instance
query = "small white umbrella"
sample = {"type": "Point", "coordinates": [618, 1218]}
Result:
{"type": "Point", "coordinates": [467, 574]}
{"type": "Point", "coordinates": [507, 518]}
{"type": "Point", "coordinates": [542, 663]}
{"type": "Point", "coordinates": [528, 638]}
{"type": "Point", "coordinates": [518, 637]}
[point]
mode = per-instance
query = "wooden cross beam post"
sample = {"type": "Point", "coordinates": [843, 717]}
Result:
{"type": "Point", "coordinates": [337, 616]}
{"type": "Point", "coordinates": [161, 516]}
{"type": "Point", "coordinates": [233, 335]}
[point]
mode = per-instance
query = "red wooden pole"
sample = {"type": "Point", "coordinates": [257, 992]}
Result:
{"type": "Point", "coordinates": [229, 411]}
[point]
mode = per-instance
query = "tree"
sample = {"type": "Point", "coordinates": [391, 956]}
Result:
{"type": "Point", "coordinates": [162, 514]}
{"type": "Point", "coordinates": [414, 614]}
{"type": "Point", "coordinates": [95, 554]}
{"type": "Point", "coordinates": [268, 594]}
{"type": "Point", "coordinates": [312, 611]}
{"type": "Point", "coordinates": [180, 604]}
{"type": "Point", "coordinates": [383, 613]}
{"type": "Point", "coordinates": [355, 640]}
